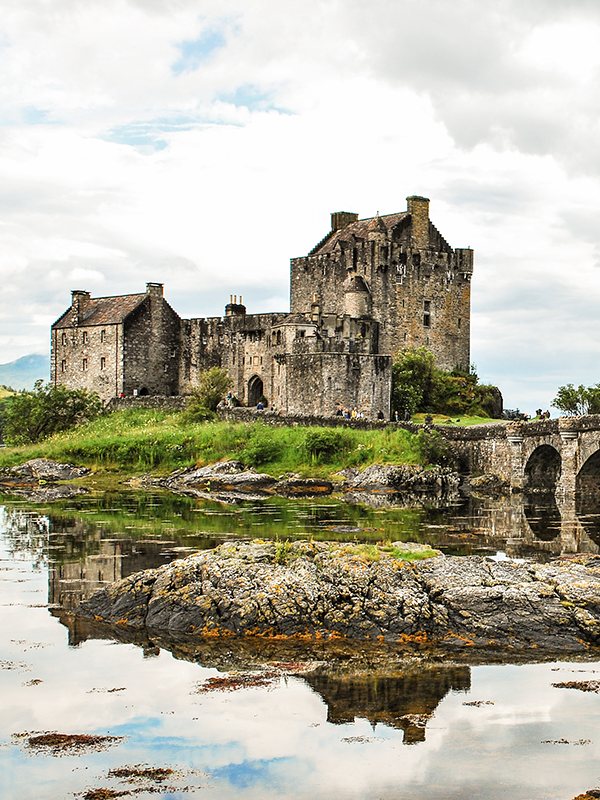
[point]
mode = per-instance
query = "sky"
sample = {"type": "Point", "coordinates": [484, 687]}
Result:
{"type": "Point", "coordinates": [203, 145]}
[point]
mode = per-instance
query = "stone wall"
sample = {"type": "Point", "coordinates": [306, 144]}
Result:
{"type": "Point", "coordinates": [88, 357]}
{"type": "Point", "coordinates": [162, 403]}
{"type": "Point", "coordinates": [151, 349]}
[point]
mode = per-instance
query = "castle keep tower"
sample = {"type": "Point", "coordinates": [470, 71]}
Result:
{"type": "Point", "coordinates": [400, 272]}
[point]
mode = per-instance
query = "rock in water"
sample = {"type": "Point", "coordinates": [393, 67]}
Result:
{"type": "Point", "coordinates": [322, 589]}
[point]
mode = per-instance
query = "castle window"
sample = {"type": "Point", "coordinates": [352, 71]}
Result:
{"type": "Point", "coordinates": [278, 337]}
{"type": "Point", "coordinates": [301, 334]}
{"type": "Point", "coordinates": [256, 361]}
{"type": "Point", "coordinates": [427, 320]}
{"type": "Point", "coordinates": [84, 338]}
{"type": "Point", "coordinates": [84, 364]}
{"type": "Point", "coordinates": [427, 305]}
{"type": "Point", "coordinates": [102, 335]}
{"type": "Point", "coordinates": [64, 338]}
{"type": "Point", "coordinates": [274, 337]}
{"type": "Point", "coordinates": [459, 322]}
{"type": "Point", "coordinates": [63, 366]}
{"type": "Point", "coordinates": [261, 360]}
{"type": "Point", "coordinates": [102, 363]}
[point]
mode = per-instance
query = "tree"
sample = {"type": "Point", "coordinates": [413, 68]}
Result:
{"type": "Point", "coordinates": [30, 416]}
{"type": "Point", "coordinates": [212, 387]}
{"type": "Point", "coordinates": [577, 402]}
{"type": "Point", "coordinates": [414, 380]}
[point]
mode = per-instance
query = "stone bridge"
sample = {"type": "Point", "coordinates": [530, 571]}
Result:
{"type": "Point", "coordinates": [560, 454]}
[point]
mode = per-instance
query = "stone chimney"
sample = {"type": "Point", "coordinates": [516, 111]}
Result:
{"type": "Point", "coordinates": [233, 308]}
{"type": "Point", "coordinates": [78, 301]}
{"type": "Point", "coordinates": [340, 219]}
{"type": "Point", "coordinates": [418, 208]}
{"type": "Point", "coordinates": [155, 289]}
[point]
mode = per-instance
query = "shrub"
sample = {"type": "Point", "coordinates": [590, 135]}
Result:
{"type": "Point", "coordinates": [324, 443]}
{"type": "Point", "coordinates": [212, 387]}
{"type": "Point", "coordinates": [434, 449]}
{"type": "Point", "coordinates": [261, 447]}
{"type": "Point", "coordinates": [30, 416]}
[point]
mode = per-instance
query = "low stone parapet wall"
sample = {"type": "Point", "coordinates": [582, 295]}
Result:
{"type": "Point", "coordinates": [266, 417]}
{"type": "Point", "coordinates": [161, 402]}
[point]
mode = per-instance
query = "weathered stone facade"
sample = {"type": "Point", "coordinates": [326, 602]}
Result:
{"type": "Point", "coordinates": [367, 289]}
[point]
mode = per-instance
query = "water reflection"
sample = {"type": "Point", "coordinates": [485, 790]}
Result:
{"type": "Point", "coordinates": [406, 700]}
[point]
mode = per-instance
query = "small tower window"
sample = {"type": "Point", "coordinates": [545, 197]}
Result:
{"type": "Point", "coordinates": [64, 338]}
{"type": "Point", "coordinates": [459, 323]}
{"type": "Point", "coordinates": [63, 366]}
{"type": "Point", "coordinates": [427, 320]}
{"type": "Point", "coordinates": [102, 335]}
{"type": "Point", "coordinates": [84, 365]}
{"type": "Point", "coordinates": [102, 363]}
{"type": "Point", "coordinates": [84, 338]}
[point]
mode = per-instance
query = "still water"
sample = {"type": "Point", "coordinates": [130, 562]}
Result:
{"type": "Point", "coordinates": [359, 724]}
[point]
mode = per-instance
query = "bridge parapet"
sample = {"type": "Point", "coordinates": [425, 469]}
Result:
{"type": "Point", "coordinates": [541, 454]}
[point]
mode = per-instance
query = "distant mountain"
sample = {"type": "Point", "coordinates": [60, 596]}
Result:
{"type": "Point", "coordinates": [25, 371]}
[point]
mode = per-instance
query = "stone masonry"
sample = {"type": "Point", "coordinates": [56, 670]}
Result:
{"type": "Point", "coordinates": [369, 288]}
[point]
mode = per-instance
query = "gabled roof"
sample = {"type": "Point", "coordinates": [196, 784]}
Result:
{"type": "Point", "coordinates": [102, 310]}
{"type": "Point", "coordinates": [358, 230]}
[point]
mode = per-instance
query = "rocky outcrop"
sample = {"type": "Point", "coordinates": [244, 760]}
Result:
{"type": "Point", "coordinates": [48, 470]}
{"type": "Point", "coordinates": [231, 482]}
{"type": "Point", "coordinates": [37, 480]}
{"type": "Point", "coordinates": [362, 592]}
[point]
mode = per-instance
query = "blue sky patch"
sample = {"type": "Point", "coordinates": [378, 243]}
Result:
{"type": "Point", "coordinates": [252, 97]}
{"type": "Point", "coordinates": [255, 773]}
{"type": "Point", "coordinates": [196, 52]}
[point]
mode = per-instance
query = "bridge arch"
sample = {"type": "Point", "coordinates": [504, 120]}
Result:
{"type": "Point", "coordinates": [588, 477]}
{"type": "Point", "coordinates": [543, 468]}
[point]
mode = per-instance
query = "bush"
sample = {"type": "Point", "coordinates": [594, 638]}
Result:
{"type": "Point", "coordinates": [434, 448]}
{"type": "Point", "coordinates": [31, 416]}
{"type": "Point", "coordinates": [261, 447]}
{"type": "Point", "coordinates": [324, 443]}
{"type": "Point", "coordinates": [212, 387]}
{"type": "Point", "coordinates": [419, 386]}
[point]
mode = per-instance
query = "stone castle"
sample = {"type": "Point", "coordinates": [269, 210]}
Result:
{"type": "Point", "coordinates": [368, 288]}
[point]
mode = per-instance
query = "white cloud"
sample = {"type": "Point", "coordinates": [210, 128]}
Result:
{"type": "Point", "coordinates": [204, 146]}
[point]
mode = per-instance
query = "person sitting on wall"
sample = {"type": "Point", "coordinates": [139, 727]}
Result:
{"type": "Point", "coordinates": [406, 415]}
{"type": "Point", "coordinates": [395, 416]}
{"type": "Point", "coordinates": [259, 406]}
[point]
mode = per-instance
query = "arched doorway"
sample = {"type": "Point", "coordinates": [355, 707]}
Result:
{"type": "Point", "coordinates": [143, 392]}
{"type": "Point", "coordinates": [543, 468]}
{"type": "Point", "coordinates": [255, 390]}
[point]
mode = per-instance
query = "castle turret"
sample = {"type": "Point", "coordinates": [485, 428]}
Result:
{"type": "Point", "coordinates": [357, 299]}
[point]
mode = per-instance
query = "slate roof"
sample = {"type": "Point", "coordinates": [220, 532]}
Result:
{"type": "Point", "coordinates": [358, 230]}
{"type": "Point", "coordinates": [103, 310]}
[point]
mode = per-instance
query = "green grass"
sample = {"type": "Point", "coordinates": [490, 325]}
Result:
{"type": "Point", "coordinates": [444, 419]}
{"type": "Point", "coordinates": [4, 392]}
{"type": "Point", "coordinates": [144, 439]}
{"type": "Point", "coordinates": [373, 552]}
